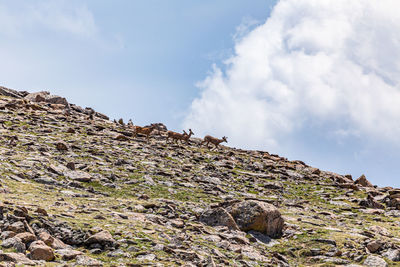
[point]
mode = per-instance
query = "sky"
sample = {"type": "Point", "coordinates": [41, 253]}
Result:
{"type": "Point", "coordinates": [315, 80]}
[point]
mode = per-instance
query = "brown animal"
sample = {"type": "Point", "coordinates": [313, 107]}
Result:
{"type": "Point", "coordinates": [143, 130]}
{"type": "Point", "coordinates": [187, 136]}
{"type": "Point", "coordinates": [178, 136]}
{"type": "Point", "coordinates": [209, 139]}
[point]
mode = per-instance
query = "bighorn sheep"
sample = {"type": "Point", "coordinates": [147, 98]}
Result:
{"type": "Point", "coordinates": [143, 130]}
{"type": "Point", "coordinates": [187, 136]}
{"type": "Point", "coordinates": [209, 139]}
{"type": "Point", "coordinates": [178, 136]}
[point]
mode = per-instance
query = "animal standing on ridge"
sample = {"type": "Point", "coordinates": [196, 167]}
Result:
{"type": "Point", "coordinates": [143, 130]}
{"type": "Point", "coordinates": [209, 139]}
{"type": "Point", "coordinates": [187, 136]}
{"type": "Point", "coordinates": [178, 136]}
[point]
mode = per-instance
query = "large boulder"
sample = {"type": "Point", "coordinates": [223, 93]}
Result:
{"type": "Point", "coordinates": [40, 251]}
{"type": "Point", "coordinates": [103, 238]}
{"type": "Point", "coordinates": [218, 217]}
{"type": "Point", "coordinates": [375, 261]}
{"type": "Point", "coordinates": [258, 216]}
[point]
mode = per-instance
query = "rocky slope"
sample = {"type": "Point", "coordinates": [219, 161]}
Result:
{"type": "Point", "coordinates": [78, 189]}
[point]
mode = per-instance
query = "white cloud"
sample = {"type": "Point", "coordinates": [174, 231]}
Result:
{"type": "Point", "coordinates": [17, 19]}
{"type": "Point", "coordinates": [333, 65]}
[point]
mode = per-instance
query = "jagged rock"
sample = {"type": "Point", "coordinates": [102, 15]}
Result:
{"type": "Point", "coordinates": [375, 261]}
{"type": "Point", "coordinates": [218, 217]}
{"type": "Point", "coordinates": [258, 216]}
{"type": "Point", "coordinates": [45, 96]}
{"type": "Point", "coordinates": [363, 181]}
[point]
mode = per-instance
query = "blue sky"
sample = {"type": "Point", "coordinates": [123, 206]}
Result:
{"type": "Point", "coordinates": [307, 79]}
{"type": "Point", "coordinates": [130, 59]}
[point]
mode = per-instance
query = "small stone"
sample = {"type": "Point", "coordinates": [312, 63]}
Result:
{"type": "Point", "coordinates": [61, 146]}
{"type": "Point", "coordinates": [42, 211]}
{"type": "Point", "coordinates": [71, 166]}
{"type": "Point", "coordinates": [374, 246]}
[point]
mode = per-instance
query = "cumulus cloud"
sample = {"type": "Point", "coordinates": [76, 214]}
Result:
{"type": "Point", "coordinates": [16, 19]}
{"type": "Point", "coordinates": [332, 65]}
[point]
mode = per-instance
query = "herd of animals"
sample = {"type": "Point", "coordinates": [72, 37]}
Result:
{"type": "Point", "coordinates": [177, 137]}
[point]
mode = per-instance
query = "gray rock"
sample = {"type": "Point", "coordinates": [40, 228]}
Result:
{"type": "Point", "coordinates": [375, 261]}
{"type": "Point", "coordinates": [82, 260]}
{"type": "Point", "coordinates": [258, 216]}
{"type": "Point", "coordinates": [392, 254]}
{"type": "Point", "coordinates": [218, 217]}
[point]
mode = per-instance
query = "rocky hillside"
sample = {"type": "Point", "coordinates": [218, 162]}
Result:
{"type": "Point", "coordinates": [79, 189]}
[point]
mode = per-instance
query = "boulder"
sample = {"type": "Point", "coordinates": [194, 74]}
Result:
{"type": "Point", "coordinates": [68, 254]}
{"type": "Point", "coordinates": [258, 216]}
{"type": "Point", "coordinates": [374, 246]}
{"type": "Point", "coordinates": [83, 260]}
{"type": "Point", "coordinates": [18, 258]}
{"type": "Point", "coordinates": [40, 251]}
{"type": "Point", "coordinates": [392, 254]}
{"type": "Point", "coordinates": [218, 217]}
{"type": "Point", "coordinates": [103, 238]}
{"type": "Point", "coordinates": [375, 261]}
{"type": "Point", "coordinates": [26, 237]}
{"type": "Point", "coordinates": [78, 175]}
{"type": "Point", "coordinates": [52, 241]}
{"type": "Point", "coordinates": [363, 181]}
